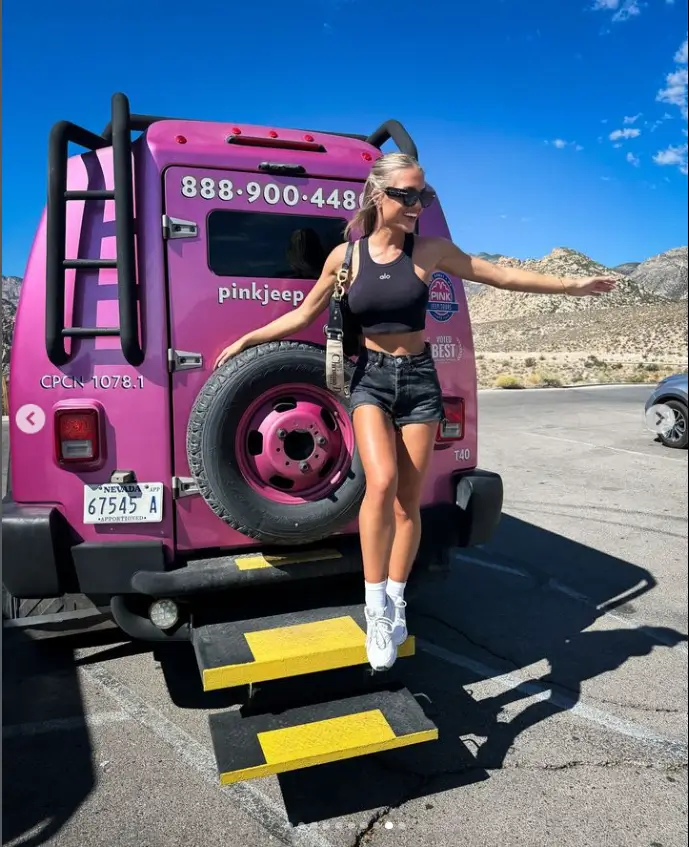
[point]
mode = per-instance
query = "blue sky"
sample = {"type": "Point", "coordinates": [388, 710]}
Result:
{"type": "Point", "coordinates": [541, 123]}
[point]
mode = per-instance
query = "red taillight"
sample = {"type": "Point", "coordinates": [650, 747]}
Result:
{"type": "Point", "coordinates": [452, 427]}
{"type": "Point", "coordinates": [77, 438]}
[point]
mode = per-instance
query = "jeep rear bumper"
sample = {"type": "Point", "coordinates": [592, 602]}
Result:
{"type": "Point", "coordinates": [42, 557]}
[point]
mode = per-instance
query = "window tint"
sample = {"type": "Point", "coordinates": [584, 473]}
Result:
{"type": "Point", "coordinates": [269, 245]}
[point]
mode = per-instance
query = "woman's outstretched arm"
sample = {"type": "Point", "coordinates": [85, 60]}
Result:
{"type": "Point", "coordinates": [454, 261]}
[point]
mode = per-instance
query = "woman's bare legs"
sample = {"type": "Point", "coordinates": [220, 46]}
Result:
{"type": "Point", "coordinates": [375, 437]}
{"type": "Point", "coordinates": [414, 451]}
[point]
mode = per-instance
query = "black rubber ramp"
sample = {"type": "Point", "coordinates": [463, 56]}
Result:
{"type": "Point", "coordinates": [242, 652]}
{"type": "Point", "coordinates": [261, 745]}
{"type": "Point", "coordinates": [201, 576]}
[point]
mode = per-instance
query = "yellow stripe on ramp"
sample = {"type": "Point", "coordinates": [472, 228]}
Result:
{"type": "Point", "coordinates": [331, 740]}
{"type": "Point", "coordinates": [254, 561]}
{"type": "Point", "coordinates": [296, 650]}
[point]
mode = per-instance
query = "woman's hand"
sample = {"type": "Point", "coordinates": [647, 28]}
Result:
{"type": "Point", "coordinates": [229, 352]}
{"type": "Point", "coordinates": [592, 286]}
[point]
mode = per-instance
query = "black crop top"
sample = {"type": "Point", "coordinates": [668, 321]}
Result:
{"type": "Point", "coordinates": [388, 298]}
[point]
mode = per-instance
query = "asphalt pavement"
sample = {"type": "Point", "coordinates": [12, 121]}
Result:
{"type": "Point", "coordinates": [553, 661]}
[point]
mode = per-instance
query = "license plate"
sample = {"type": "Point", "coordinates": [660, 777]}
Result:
{"type": "Point", "coordinates": [132, 502]}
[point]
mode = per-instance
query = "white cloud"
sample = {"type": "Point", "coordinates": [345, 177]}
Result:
{"type": "Point", "coordinates": [632, 119]}
{"type": "Point", "coordinates": [561, 144]}
{"type": "Point", "coordinates": [675, 156]}
{"type": "Point", "coordinates": [624, 133]}
{"type": "Point", "coordinates": [633, 160]}
{"type": "Point", "coordinates": [675, 93]}
{"type": "Point", "coordinates": [624, 9]}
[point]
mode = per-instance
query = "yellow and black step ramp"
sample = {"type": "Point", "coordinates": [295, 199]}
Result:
{"type": "Point", "coordinates": [236, 653]}
{"type": "Point", "coordinates": [271, 567]}
{"type": "Point", "coordinates": [267, 744]}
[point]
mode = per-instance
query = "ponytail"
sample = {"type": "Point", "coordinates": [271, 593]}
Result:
{"type": "Point", "coordinates": [366, 217]}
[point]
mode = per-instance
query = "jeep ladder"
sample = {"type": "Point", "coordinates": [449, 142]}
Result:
{"type": "Point", "coordinates": [56, 264]}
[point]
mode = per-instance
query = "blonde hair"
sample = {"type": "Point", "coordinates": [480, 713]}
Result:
{"type": "Point", "coordinates": [378, 179]}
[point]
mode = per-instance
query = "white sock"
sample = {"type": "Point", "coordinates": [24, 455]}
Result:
{"type": "Point", "coordinates": [375, 595]}
{"type": "Point", "coordinates": [396, 589]}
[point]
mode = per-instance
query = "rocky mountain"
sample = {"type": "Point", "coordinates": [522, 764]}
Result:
{"type": "Point", "coordinates": [664, 275]}
{"type": "Point", "coordinates": [627, 268]}
{"type": "Point", "coordinates": [667, 274]}
{"type": "Point", "coordinates": [11, 286]}
{"type": "Point", "coordinates": [489, 257]}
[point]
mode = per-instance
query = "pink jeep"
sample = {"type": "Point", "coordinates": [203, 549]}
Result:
{"type": "Point", "coordinates": [152, 484]}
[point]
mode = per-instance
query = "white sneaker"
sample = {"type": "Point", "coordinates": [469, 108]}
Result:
{"type": "Point", "coordinates": [399, 624]}
{"type": "Point", "coordinates": [380, 648]}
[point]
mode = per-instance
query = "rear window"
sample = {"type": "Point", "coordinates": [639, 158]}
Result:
{"type": "Point", "coordinates": [270, 245]}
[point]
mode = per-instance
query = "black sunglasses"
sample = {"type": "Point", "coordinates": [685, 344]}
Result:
{"type": "Point", "coordinates": [411, 196]}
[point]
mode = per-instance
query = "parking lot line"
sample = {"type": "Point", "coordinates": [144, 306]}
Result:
{"type": "Point", "coordinates": [246, 796]}
{"type": "Point", "coordinates": [603, 447]}
{"type": "Point", "coordinates": [561, 701]}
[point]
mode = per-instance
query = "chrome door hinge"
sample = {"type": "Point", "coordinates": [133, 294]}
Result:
{"type": "Point", "coordinates": [178, 228]}
{"type": "Point", "coordinates": [183, 486]}
{"type": "Point", "coordinates": [182, 360]}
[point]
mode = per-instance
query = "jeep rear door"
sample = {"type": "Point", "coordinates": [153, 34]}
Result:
{"type": "Point", "coordinates": [242, 249]}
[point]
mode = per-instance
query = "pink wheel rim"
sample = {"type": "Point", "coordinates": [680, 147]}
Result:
{"type": "Point", "coordinates": [294, 444]}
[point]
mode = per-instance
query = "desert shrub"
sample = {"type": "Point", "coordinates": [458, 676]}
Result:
{"type": "Point", "coordinates": [550, 380]}
{"type": "Point", "coordinates": [507, 381]}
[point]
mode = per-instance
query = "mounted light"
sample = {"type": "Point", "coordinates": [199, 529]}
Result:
{"type": "Point", "coordinates": [164, 613]}
{"type": "Point", "coordinates": [77, 436]}
{"type": "Point", "coordinates": [451, 428]}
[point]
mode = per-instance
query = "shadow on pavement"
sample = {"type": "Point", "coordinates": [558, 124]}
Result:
{"type": "Point", "coordinates": [46, 774]}
{"type": "Point", "coordinates": [495, 623]}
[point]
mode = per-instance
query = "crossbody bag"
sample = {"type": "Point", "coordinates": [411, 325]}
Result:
{"type": "Point", "coordinates": [342, 332]}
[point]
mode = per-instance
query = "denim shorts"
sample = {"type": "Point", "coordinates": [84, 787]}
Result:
{"type": "Point", "coordinates": [405, 387]}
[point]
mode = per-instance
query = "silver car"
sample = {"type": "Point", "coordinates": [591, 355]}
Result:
{"type": "Point", "coordinates": [672, 392]}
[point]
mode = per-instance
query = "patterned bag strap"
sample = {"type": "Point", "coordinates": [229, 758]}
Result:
{"type": "Point", "coordinates": [334, 331]}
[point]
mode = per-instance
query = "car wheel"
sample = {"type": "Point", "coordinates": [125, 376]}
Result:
{"type": "Point", "coordinates": [678, 436]}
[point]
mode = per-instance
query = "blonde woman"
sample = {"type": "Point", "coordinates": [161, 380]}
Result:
{"type": "Point", "coordinates": [395, 429]}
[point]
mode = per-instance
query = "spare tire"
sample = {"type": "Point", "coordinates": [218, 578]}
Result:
{"type": "Point", "coordinates": [272, 450]}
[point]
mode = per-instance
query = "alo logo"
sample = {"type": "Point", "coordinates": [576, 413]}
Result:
{"type": "Point", "coordinates": [442, 302]}
{"type": "Point", "coordinates": [384, 276]}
